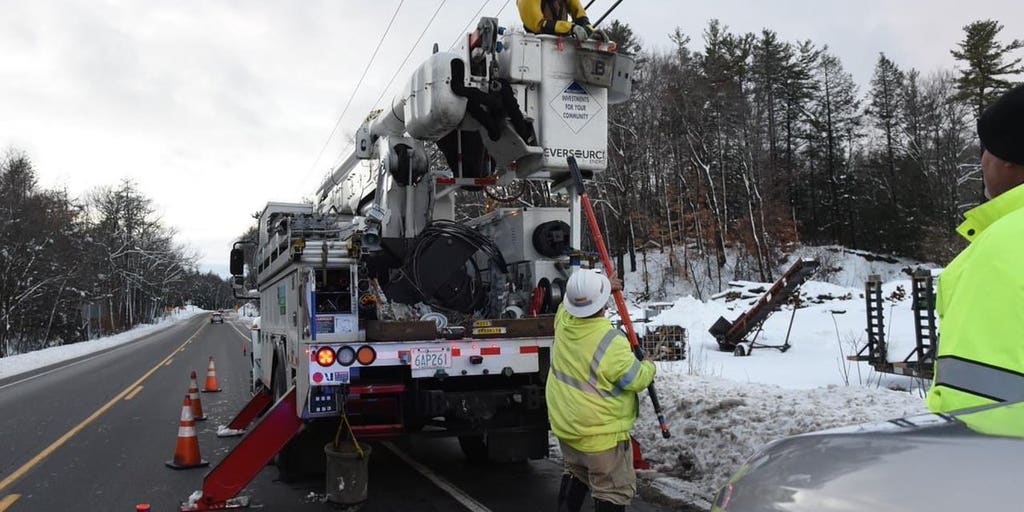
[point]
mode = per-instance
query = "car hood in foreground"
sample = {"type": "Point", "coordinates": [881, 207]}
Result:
{"type": "Point", "coordinates": [933, 462]}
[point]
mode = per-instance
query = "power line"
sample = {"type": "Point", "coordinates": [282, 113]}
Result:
{"type": "Point", "coordinates": [399, 70]}
{"type": "Point", "coordinates": [353, 95]}
{"type": "Point", "coordinates": [502, 8]}
{"type": "Point", "coordinates": [407, 55]}
{"type": "Point", "coordinates": [470, 22]}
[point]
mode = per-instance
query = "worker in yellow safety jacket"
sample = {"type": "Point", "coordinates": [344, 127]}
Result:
{"type": "Point", "coordinates": [980, 357]}
{"type": "Point", "coordinates": [551, 17]}
{"type": "Point", "coordinates": [591, 393]}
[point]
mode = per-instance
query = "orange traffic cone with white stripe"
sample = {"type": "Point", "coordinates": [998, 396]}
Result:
{"type": "Point", "coordinates": [186, 452]}
{"type": "Point", "coordinates": [211, 379]}
{"type": "Point", "coordinates": [193, 396]}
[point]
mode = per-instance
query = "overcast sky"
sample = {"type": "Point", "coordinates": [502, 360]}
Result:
{"type": "Point", "coordinates": [214, 108]}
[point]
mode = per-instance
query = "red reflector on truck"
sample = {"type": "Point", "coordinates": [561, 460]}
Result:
{"type": "Point", "coordinates": [529, 350]}
{"type": "Point", "coordinates": [456, 352]}
{"type": "Point", "coordinates": [490, 351]}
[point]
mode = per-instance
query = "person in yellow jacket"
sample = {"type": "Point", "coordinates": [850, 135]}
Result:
{"type": "Point", "coordinates": [980, 356]}
{"type": "Point", "coordinates": [591, 393]}
{"type": "Point", "coordinates": [551, 17]}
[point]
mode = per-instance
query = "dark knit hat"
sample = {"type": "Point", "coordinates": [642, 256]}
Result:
{"type": "Point", "coordinates": [1001, 126]}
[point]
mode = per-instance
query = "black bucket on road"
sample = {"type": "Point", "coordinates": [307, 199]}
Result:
{"type": "Point", "coordinates": [348, 473]}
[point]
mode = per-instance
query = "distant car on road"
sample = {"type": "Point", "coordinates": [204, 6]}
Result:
{"type": "Point", "coordinates": [966, 460]}
{"type": "Point", "coordinates": [216, 318]}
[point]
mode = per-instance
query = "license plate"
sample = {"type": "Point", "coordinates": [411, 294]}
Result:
{"type": "Point", "coordinates": [431, 358]}
{"type": "Point", "coordinates": [483, 331]}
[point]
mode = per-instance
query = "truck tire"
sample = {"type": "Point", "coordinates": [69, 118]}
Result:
{"type": "Point", "coordinates": [474, 448]}
{"type": "Point", "coordinates": [507, 448]}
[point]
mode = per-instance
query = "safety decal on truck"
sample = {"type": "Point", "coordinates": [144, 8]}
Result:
{"type": "Point", "coordinates": [575, 106]}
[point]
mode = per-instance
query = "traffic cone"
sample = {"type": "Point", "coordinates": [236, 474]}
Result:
{"type": "Point", "coordinates": [186, 452]}
{"type": "Point", "coordinates": [211, 379]}
{"type": "Point", "coordinates": [193, 396]}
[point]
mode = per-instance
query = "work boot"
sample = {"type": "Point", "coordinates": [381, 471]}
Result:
{"type": "Point", "coordinates": [571, 494]}
{"type": "Point", "coordinates": [607, 506]}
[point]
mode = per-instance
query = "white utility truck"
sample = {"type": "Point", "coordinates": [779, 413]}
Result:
{"type": "Point", "coordinates": [376, 303]}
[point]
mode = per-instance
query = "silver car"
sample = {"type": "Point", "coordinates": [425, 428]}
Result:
{"type": "Point", "coordinates": [968, 460]}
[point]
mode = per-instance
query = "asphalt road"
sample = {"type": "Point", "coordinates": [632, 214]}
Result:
{"type": "Point", "coordinates": [94, 434]}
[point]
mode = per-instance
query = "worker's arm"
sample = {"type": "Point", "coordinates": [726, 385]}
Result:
{"type": "Point", "coordinates": [533, 19]}
{"type": "Point", "coordinates": [620, 367]}
{"type": "Point", "coordinates": [579, 15]}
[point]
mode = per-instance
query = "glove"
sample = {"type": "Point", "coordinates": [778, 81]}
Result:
{"type": "Point", "coordinates": [580, 32]}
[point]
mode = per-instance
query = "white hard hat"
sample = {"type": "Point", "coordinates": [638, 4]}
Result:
{"type": "Point", "coordinates": [586, 293]}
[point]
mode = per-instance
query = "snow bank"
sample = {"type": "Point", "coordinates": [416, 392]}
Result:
{"type": "Point", "coordinates": [22, 363]}
{"type": "Point", "coordinates": [721, 408]}
{"type": "Point", "coordinates": [717, 424]}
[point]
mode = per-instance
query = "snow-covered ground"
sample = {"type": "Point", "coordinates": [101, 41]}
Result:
{"type": "Point", "coordinates": [22, 363]}
{"type": "Point", "coordinates": [721, 408]}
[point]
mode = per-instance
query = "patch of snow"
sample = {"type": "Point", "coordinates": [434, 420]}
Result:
{"type": "Point", "coordinates": [721, 408]}
{"type": "Point", "coordinates": [193, 499]}
{"type": "Point", "coordinates": [27, 362]}
{"type": "Point", "coordinates": [678, 492]}
{"type": "Point", "coordinates": [717, 423]}
{"type": "Point", "coordinates": [224, 431]}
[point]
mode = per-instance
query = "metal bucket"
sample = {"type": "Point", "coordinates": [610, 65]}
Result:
{"type": "Point", "coordinates": [347, 473]}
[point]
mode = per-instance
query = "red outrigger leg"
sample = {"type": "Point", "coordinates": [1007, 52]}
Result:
{"type": "Point", "coordinates": [256, 406]}
{"type": "Point", "coordinates": [247, 459]}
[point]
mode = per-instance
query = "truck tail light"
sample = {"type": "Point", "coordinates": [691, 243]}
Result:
{"type": "Point", "coordinates": [366, 355]}
{"type": "Point", "coordinates": [325, 356]}
{"type": "Point", "coordinates": [346, 355]}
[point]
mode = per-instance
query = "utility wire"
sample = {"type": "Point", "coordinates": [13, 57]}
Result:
{"type": "Point", "coordinates": [407, 55]}
{"type": "Point", "coordinates": [384, 91]}
{"type": "Point", "coordinates": [353, 95]}
{"type": "Point", "coordinates": [470, 22]}
{"type": "Point", "coordinates": [503, 6]}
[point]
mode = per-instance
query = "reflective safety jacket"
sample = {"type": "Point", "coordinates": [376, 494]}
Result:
{"type": "Point", "coordinates": [980, 358]}
{"type": "Point", "coordinates": [592, 385]}
{"type": "Point", "coordinates": [1004, 420]}
{"type": "Point", "coordinates": [549, 16]}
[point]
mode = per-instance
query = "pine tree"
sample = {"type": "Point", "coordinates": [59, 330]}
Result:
{"type": "Point", "coordinates": [623, 36]}
{"type": "Point", "coordinates": [886, 103]}
{"type": "Point", "coordinates": [833, 123]}
{"type": "Point", "coordinates": [987, 64]}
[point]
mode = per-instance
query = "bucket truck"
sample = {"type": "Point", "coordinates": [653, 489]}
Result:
{"type": "Point", "coordinates": [377, 304]}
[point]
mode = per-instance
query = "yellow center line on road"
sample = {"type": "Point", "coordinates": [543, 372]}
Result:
{"type": "Point", "coordinates": [8, 501]}
{"type": "Point", "coordinates": [39, 457]}
{"type": "Point", "coordinates": [133, 393]}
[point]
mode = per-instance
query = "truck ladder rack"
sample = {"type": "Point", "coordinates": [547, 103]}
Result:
{"type": "Point", "coordinates": [729, 334]}
{"type": "Point", "coordinates": [223, 483]}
